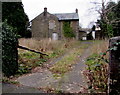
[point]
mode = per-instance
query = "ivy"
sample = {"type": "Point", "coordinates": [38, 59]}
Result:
{"type": "Point", "coordinates": [67, 30]}
{"type": "Point", "coordinates": [9, 50]}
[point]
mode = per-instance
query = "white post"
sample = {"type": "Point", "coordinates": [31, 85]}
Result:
{"type": "Point", "coordinates": [93, 34]}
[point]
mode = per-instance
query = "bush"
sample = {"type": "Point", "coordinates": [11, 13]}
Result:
{"type": "Point", "coordinates": [9, 50]}
{"type": "Point", "coordinates": [97, 73]}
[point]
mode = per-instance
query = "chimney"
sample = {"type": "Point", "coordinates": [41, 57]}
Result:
{"type": "Point", "coordinates": [76, 10]}
{"type": "Point", "coordinates": [45, 11]}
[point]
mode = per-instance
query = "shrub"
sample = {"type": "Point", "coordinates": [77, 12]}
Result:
{"type": "Point", "coordinates": [98, 73]}
{"type": "Point", "coordinates": [9, 50]}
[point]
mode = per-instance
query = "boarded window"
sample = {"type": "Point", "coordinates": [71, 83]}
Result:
{"type": "Point", "coordinates": [52, 24]}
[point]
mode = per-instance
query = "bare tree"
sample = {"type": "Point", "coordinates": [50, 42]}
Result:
{"type": "Point", "coordinates": [103, 11]}
{"type": "Point", "coordinates": [107, 15]}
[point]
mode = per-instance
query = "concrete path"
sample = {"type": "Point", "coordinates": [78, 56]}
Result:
{"type": "Point", "coordinates": [72, 82]}
{"type": "Point", "coordinates": [75, 80]}
{"type": "Point", "coordinates": [10, 88]}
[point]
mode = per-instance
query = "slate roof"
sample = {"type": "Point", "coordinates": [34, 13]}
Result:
{"type": "Point", "coordinates": [67, 16]}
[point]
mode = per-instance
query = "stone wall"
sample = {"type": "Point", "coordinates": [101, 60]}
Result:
{"type": "Point", "coordinates": [115, 58]}
{"type": "Point", "coordinates": [44, 25]}
{"type": "Point", "coordinates": [114, 65]}
{"type": "Point", "coordinates": [75, 27]}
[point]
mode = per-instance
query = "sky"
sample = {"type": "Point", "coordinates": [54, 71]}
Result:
{"type": "Point", "coordinates": [87, 14]}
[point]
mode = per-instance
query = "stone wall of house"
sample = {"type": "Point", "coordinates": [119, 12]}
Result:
{"type": "Point", "coordinates": [75, 27]}
{"type": "Point", "coordinates": [44, 26]}
{"type": "Point", "coordinates": [61, 29]}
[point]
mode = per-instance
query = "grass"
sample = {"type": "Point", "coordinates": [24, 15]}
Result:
{"type": "Point", "coordinates": [64, 65]}
{"type": "Point", "coordinates": [67, 62]}
{"type": "Point", "coordinates": [99, 46]}
{"type": "Point", "coordinates": [44, 45]}
{"type": "Point", "coordinates": [52, 48]}
{"type": "Point", "coordinates": [47, 45]}
{"type": "Point", "coordinates": [29, 60]}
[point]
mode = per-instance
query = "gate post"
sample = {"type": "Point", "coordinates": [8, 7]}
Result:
{"type": "Point", "coordinates": [114, 65]}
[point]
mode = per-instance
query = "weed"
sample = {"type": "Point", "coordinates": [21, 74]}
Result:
{"type": "Point", "coordinates": [57, 76]}
{"type": "Point", "coordinates": [98, 73]}
{"type": "Point", "coordinates": [29, 60]}
{"type": "Point", "coordinates": [7, 80]}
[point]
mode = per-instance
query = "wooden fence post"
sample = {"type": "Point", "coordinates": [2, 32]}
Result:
{"type": "Point", "coordinates": [114, 65]}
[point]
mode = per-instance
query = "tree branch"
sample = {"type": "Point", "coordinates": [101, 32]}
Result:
{"type": "Point", "coordinates": [25, 48]}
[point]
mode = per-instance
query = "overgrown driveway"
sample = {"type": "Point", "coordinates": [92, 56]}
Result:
{"type": "Point", "coordinates": [71, 82]}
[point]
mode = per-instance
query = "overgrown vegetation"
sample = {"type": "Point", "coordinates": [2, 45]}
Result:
{"type": "Point", "coordinates": [67, 30]}
{"type": "Point", "coordinates": [8, 80]}
{"type": "Point", "coordinates": [97, 71]}
{"type": "Point", "coordinates": [54, 49]}
{"type": "Point", "coordinates": [44, 45]}
{"type": "Point", "coordinates": [50, 47]}
{"type": "Point", "coordinates": [9, 50]}
{"type": "Point", "coordinates": [66, 63]}
{"type": "Point", "coordinates": [14, 23]}
{"type": "Point", "coordinates": [28, 60]}
{"type": "Point", "coordinates": [97, 74]}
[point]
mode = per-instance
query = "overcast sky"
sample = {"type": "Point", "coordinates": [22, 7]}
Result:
{"type": "Point", "coordinates": [86, 14]}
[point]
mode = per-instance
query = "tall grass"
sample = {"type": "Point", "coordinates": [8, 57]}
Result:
{"type": "Point", "coordinates": [47, 44]}
{"type": "Point", "coordinates": [100, 46]}
{"type": "Point", "coordinates": [40, 45]}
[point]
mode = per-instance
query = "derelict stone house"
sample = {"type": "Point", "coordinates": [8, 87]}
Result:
{"type": "Point", "coordinates": [47, 25]}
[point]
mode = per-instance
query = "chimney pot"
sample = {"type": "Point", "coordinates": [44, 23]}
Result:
{"type": "Point", "coordinates": [45, 9]}
{"type": "Point", "coordinates": [76, 10]}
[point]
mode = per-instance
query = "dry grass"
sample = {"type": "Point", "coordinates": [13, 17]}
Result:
{"type": "Point", "coordinates": [40, 45]}
{"type": "Point", "coordinates": [100, 47]}
{"type": "Point", "coordinates": [47, 45]}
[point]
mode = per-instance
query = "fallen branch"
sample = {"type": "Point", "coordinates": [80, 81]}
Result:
{"type": "Point", "coordinates": [25, 48]}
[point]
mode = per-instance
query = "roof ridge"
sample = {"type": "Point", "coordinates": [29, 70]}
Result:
{"type": "Point", "coordinates": [67, 16]}
{"type": "Point", "coordinates": [65, 13]}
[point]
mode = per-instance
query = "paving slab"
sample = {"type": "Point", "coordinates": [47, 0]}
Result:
{"type": "Point", "coordinates": [10, 88]}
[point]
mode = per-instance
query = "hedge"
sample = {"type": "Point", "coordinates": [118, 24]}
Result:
{"type": "Point", "coordinates": [9, 50]}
